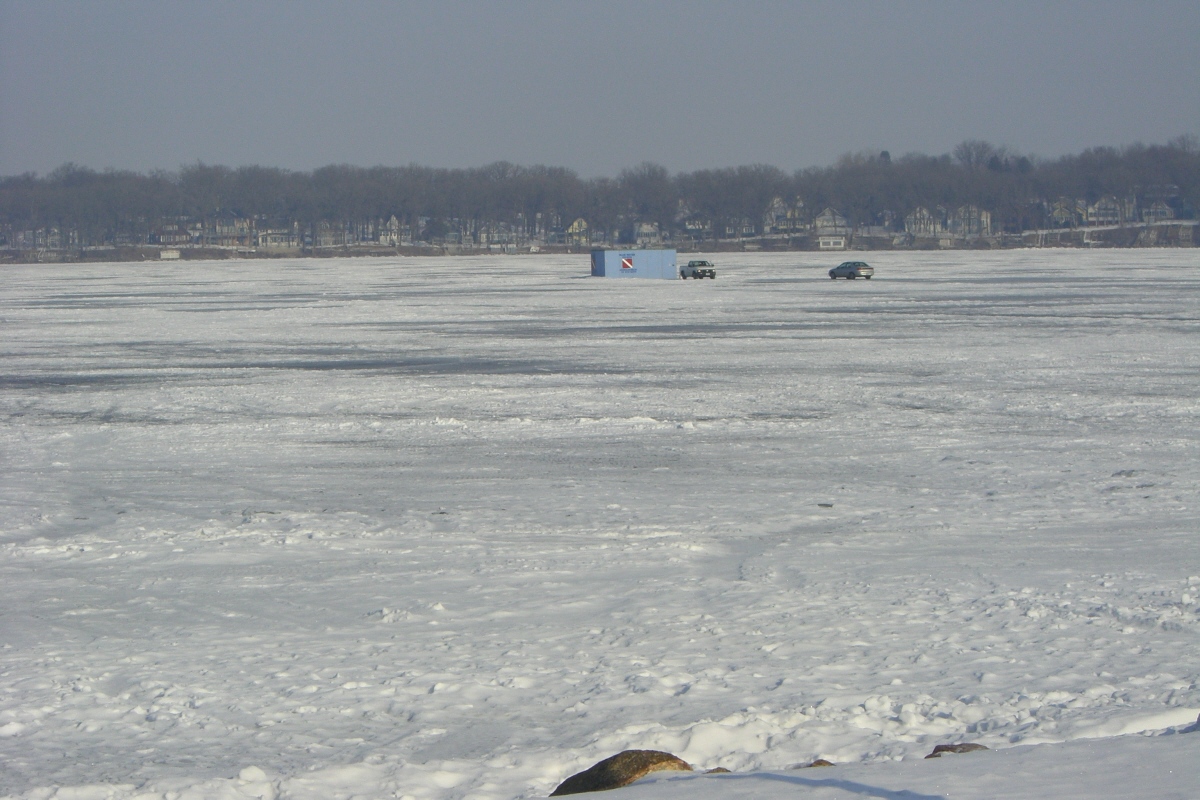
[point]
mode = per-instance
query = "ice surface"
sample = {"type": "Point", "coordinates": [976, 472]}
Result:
{"type": "Point", "coordinates": [460, 527]}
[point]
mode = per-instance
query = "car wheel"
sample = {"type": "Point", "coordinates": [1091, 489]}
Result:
{"type": "Point", "coordinates": [832, 277]}
{"type": "Point", "coordinates": [868, 277]}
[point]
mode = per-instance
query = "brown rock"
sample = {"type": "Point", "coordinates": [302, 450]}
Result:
{"type": "Point", "coordinates": [715, 771]}
{"type": "Point", "coordinates": [961, 747]}
{"type": "Point", "coordinates": [820, 762]}
{"type": "Point", "coordinates": [620, 770]}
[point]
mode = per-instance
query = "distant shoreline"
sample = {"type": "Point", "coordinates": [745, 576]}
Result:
{"type": "Point", "coordinates": [1174, 233]}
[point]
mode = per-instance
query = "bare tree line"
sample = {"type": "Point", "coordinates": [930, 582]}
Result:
{"type": "Point", "coordinates": [867, 188]}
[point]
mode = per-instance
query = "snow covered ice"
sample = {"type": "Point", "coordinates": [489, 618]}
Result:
{"type": "Point", "coordinates": [461, 527]}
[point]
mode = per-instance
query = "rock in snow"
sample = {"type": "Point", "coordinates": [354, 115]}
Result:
{"type": "Point", "coordinates": [961, 747]}
{"type": "Point", "coordinates": [620, 770]}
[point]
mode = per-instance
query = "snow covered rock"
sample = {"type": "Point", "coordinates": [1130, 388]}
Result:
{"type": "Point", "coordinates": [620, 770]}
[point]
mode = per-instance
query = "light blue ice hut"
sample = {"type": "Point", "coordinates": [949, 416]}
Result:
{"type": "Point", "coordinates": [634, 264]}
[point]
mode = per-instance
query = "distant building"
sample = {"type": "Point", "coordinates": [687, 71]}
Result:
{"type": "Point", "coordinates": [278, 239]}
{"type": "Point", "coordinates": [738, 228]}
{"type": "Point", "coordinates": [922, 224]}
{"type": "Point", "coordinates": [228, 230]}
{"type": "Point", "coordinates": [647, 234]}
{"type": "Point", "coordinates": [831, 223]}
{"type": "Point", "coordinates": [1158, 212]}
{"type": "Point", "coordinates": [174, 234]}
{"type": "Point", "coordinates": [968, 222]}
{"type": "Point", "coordinates": [390, 232]}
{"type": "Point", "coordinates": [698, 228]}
{"type": "Point", "coordinates": [1067, 213]}
{"type": "Point", "coordinates": [577, 233]}
{"type": "Point", "coordinates": [1105, 211]}
{"type": "Point", "coordinates": [784, 218]}
{"type": "Point", "coordinates": [327, 234]}
{"type": "Point", "coordinates": [883, 227]}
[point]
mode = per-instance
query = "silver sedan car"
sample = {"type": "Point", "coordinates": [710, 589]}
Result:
{"type": "Point", "coordinates": [851, 270]}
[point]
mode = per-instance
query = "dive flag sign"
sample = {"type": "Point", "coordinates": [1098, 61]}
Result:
{"type": "Point", "coordinates": [627, 262]}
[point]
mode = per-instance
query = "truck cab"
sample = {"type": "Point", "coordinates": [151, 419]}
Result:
{"type": "Point", "coordinates": [698, 269]}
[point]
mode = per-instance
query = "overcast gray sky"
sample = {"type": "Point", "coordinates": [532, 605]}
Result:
{"type": "Point", "coordinates": [592, 86]}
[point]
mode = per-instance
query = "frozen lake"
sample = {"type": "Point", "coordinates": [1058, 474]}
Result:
{"type": "Point", "coordinates": [459, 527]}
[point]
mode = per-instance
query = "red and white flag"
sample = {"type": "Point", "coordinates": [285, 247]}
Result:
{"type": "Point", "coordinates": [627, 263]}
